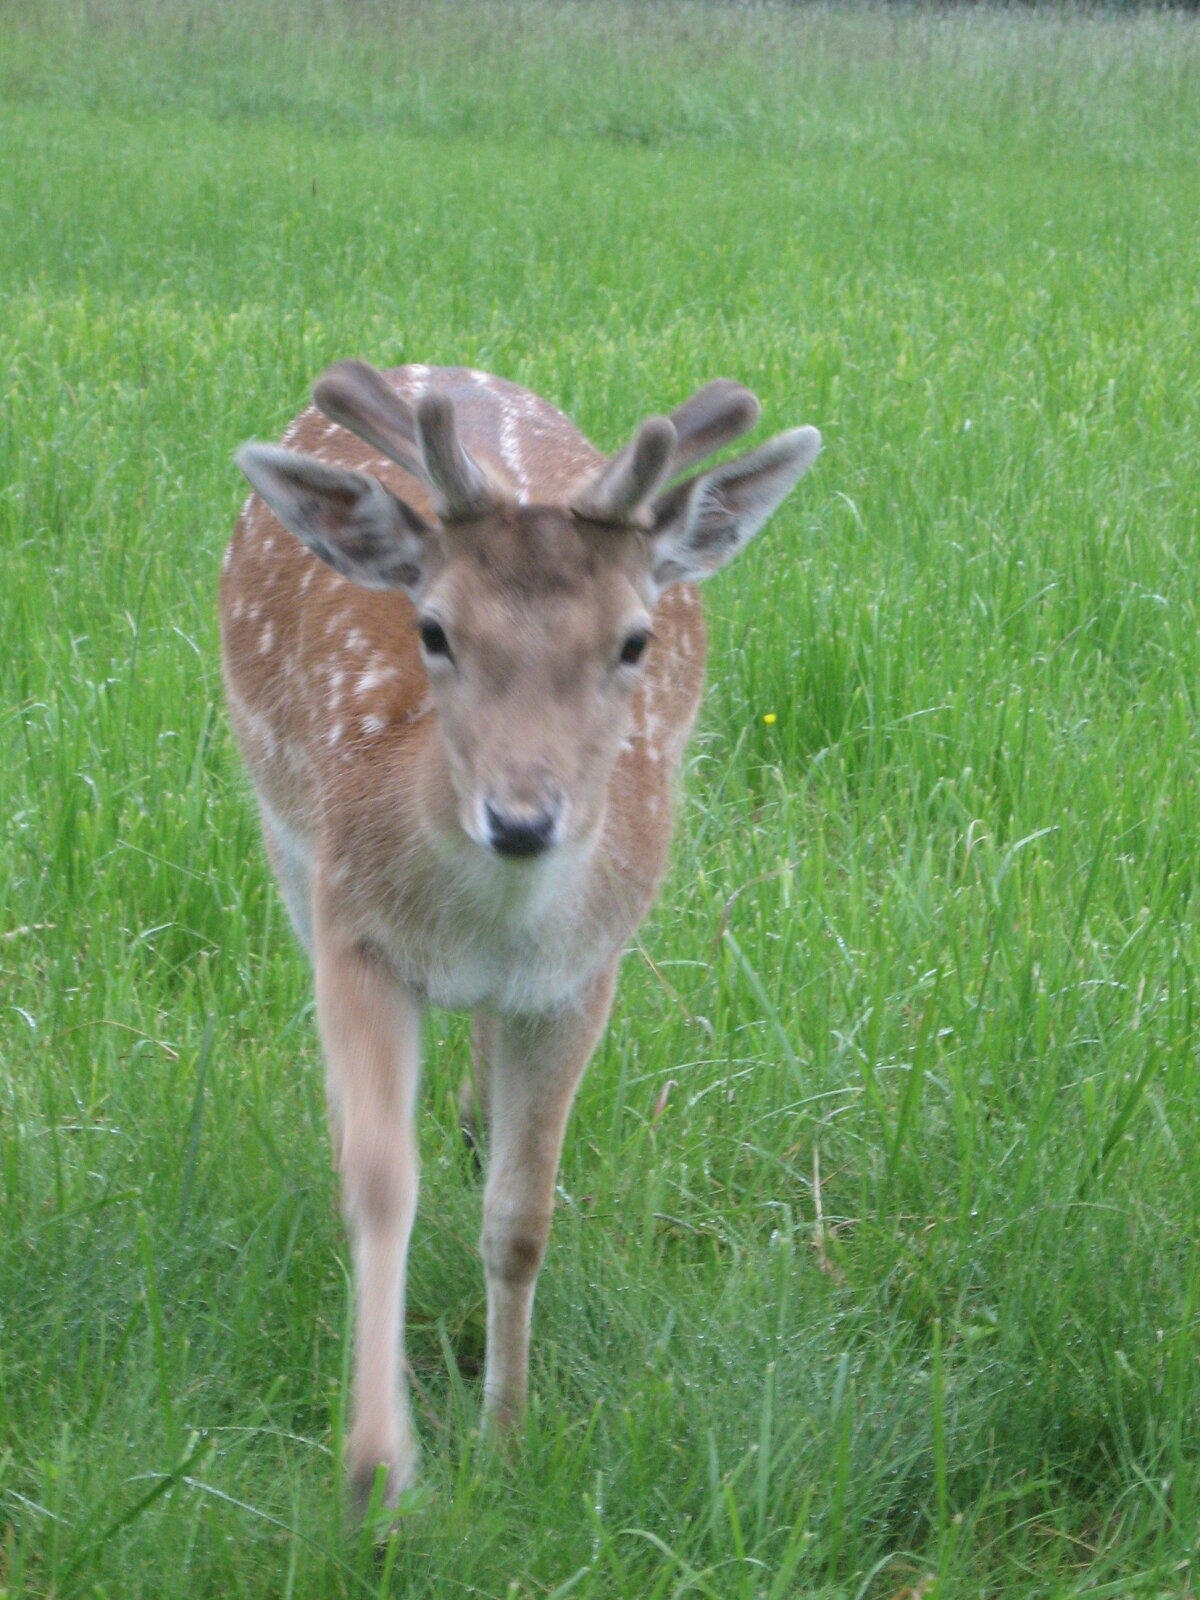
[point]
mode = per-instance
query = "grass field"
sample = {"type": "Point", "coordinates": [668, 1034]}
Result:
{"type": "Point", "coordinates": [899, 1295]}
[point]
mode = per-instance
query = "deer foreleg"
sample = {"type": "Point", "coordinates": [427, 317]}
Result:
{"type": "Point", "coordinates": [536, 1065]}
{"type": "Point", "coordinates": [370, 1029]}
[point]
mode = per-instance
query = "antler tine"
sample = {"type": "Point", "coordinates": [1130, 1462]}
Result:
{"type": "Point", "coordinates": [360, 398]}
{"type": "Point", "coordinates": [663, 446]}
{"type": "Point", "coordinates": [620, 491]}
{"type": "Point", "coordinates": [715, 415]}
{"type": "Point", "coordinates": [461, 483]}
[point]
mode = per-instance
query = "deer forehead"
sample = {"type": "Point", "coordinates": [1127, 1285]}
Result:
{"type": "Point", "coordinates": [538, 575]}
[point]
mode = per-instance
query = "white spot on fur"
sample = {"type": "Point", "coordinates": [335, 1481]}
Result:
{"type": "Point", "coordinates": [252, 723]}
{"type": "Point", "coordinates": [267, 640]}
{"type": "Point", "coordinates": [372, 725]}
{"type": "Point", "coordinates": [306, 580]}
{"type": "Point", "coordinates": [334, 735]}
{"type": "Point", "coordinates": [372, 679]}
{"type": "Point", "coordinates": [510, 450]}
{"type": "Point", "coordinates": [293, 428]}
{"type": "Point", "coordinates": [356, 639]}
{"type": "Point", "coordinates": [226, 559]}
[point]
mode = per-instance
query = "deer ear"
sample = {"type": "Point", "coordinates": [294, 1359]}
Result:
{"type": "Point", "coordinates": [348, 519]}
{"type": "Point", "coordinates": [700, 525]}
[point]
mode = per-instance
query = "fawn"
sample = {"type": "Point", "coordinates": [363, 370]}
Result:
{"type": "Point", "coordinates": [462, 690]}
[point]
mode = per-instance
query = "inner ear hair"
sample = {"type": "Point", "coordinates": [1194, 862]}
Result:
{"type": "Point", "coordinates": [702, 523]}
{"type": "Point", "coordinates": [348, 519]}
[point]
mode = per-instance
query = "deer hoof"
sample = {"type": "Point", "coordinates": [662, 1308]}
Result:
{"type": "Point", "coordinates": [379, 1476]}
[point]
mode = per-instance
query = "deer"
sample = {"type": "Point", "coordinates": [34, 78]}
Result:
{"type": "Point", "coordinates": [463, 651]}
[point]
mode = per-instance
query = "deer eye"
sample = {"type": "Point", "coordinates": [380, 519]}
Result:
{"type": "Point", "coordinates": [634, 647]}
{"type": "Point", "coordinates": [433, 638]}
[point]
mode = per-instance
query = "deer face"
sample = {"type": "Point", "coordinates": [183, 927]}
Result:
{"type": "Point", "coordinates": [533, 633]}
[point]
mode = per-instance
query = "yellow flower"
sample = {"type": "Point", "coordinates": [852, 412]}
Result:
{"type": "Point", "coordinates": [768, 717]}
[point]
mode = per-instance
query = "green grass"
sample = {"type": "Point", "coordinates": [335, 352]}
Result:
{"type": "Point", "coordinates": [932, 931]}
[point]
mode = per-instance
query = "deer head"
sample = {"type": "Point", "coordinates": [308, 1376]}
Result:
{"type": "Point", "coordinates": [534, 621]}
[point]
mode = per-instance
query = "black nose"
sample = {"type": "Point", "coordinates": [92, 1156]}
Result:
{"type": "Point", "coordinates": [519, 836]}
